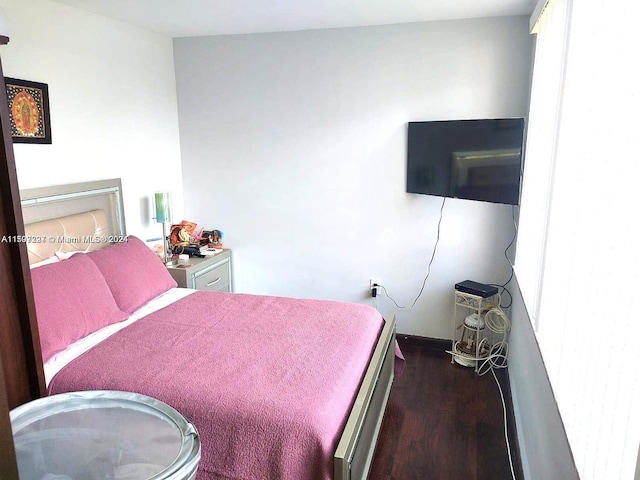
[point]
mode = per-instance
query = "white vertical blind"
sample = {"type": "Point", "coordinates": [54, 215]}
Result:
{"type": "Point", "coordinates": [586, 321]}
{"type": "Point", "coordinates": [546, 96]}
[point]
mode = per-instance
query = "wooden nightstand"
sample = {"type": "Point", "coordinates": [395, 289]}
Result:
{"type": "Point", "coordinates": [212, 272]}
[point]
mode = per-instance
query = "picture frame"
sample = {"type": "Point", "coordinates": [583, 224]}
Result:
{"type": "Point", "coordinates": [156, 245]}
{"type": "Point", "coordinates": [29, 116]}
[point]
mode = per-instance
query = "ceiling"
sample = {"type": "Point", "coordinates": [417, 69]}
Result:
{"type": "Point", "coordinates": [187, 18]}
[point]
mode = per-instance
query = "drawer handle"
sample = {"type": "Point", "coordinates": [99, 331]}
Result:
{"type": "Point", "coordinates": [214, 281]}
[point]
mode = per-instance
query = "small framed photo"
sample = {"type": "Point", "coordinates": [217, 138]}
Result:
{"type": "Point", "coordinates": [156, 245]}
{"type": "Point", "coordinates": [28, 104]}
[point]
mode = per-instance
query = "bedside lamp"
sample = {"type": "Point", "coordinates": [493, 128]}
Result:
{"type": "Point", "coordinates": [163, 216]}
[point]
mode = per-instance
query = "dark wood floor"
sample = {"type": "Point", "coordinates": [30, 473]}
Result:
{"type": "Point", "coordinates": [443, 422]}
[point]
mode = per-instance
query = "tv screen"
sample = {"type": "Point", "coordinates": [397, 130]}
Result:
{"type": "Point", "coordinates": [470, 159]}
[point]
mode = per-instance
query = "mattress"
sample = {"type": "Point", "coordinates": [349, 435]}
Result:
{"type": "Point", "coordinates": [268, 381]}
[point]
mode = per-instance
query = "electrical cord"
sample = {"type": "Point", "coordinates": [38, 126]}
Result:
{"type": "Point", "coordinates": [433, 254]}
{"type": "Point", "coordinates": [506, 255]}
{"type": "Point", "coordinates": [424, 282]}
{"type": "Point", "coordinates": [506, 433]}
{"type": "Point", "coordinates": [513, 239]}
{"type": "Point", "coordinates": [505, 289]}
{"type": "Point", "coordinates": [497, 321]}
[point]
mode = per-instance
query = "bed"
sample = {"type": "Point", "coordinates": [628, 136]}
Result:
{"type": "Point", "coordinates": [278, 388]}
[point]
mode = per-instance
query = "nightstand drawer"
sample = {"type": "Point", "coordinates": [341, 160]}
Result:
{"type": "Point", "coordinates": [212, 272]}
{"type": "Point", "coordinates": [215, 279]}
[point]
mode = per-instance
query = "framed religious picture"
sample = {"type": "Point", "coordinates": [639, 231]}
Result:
{"type": "Point", "coordinates": [28, 111]}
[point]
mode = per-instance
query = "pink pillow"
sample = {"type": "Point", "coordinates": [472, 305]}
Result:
{"type": "Point", "coordinates": [72, 300]}
{"type": "Point", "coordinates": [133, 272]}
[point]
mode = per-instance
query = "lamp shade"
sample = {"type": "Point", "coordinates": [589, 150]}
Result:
{"type": "Point", "coordinates": [163, 207]}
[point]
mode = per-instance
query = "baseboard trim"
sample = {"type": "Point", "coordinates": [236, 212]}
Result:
{"type": "Point", "coordinates": [426, 342]}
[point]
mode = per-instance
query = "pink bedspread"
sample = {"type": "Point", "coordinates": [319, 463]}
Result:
{"type": "Point", "coordinates": [268, 381]}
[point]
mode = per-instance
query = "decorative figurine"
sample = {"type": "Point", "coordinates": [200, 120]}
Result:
{"type": "Point", "coordinates": [212, 238]}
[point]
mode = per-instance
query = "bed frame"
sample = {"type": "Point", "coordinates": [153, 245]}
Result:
{"type": "Point", "coordinates": [66, 205]}
{"type": "Point", "coordinates": [357, 444]}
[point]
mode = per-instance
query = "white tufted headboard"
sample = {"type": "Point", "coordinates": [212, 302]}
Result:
{"type": "Point", "coordinates": [65, 218]}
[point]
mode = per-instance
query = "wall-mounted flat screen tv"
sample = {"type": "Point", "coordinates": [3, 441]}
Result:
{"type": "Point", "coordinates": [470, 159]}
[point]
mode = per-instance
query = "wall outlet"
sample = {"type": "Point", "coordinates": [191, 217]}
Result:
{"type": "Point", "coordinates": [374, 290]}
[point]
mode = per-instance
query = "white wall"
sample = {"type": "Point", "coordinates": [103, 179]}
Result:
{"type": "Point", "coordinates": [113, 103]}
{"type": "Point", "coordinates": [544, 449]}
{"type": "Point", "coordinates": [294, 145]}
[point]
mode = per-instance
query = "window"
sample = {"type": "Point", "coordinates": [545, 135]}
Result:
{"type": "Point", "coordinates": [578, 260]}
